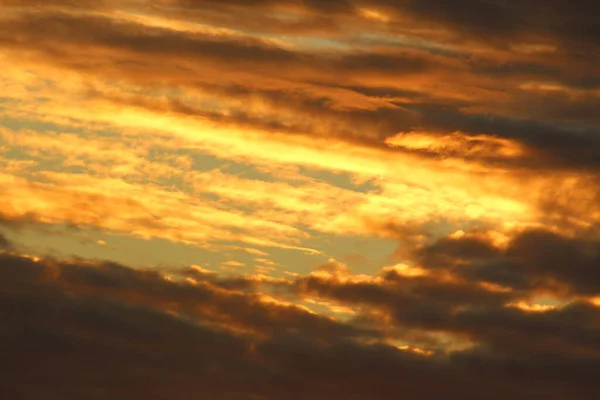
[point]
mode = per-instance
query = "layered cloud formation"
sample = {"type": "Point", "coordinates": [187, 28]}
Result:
{"type": "Point", "coordinates": [299, 199]}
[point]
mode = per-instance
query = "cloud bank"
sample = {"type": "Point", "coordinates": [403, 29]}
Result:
{"type": "Point", "coordinates": [353, 199]}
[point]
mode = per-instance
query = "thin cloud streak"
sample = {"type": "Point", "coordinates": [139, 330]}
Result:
{"type": "Point", "coordinates": [339, 199]}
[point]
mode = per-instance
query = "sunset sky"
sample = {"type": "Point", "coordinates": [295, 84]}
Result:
{"type": "Point", "coordinates": [299, 199]}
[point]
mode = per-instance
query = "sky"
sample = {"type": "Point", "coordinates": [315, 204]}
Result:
{"type": "Point", "coordinates": [299, 199]}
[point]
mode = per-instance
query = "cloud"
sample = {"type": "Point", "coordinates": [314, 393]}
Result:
{"type": "Point", "coordinates": [310, 84]}
{"type": "Point", "coordinates": [233, 59]}
{"type": "Point", "coordinates": [443, 311]}
{"type": "Point", "coordinates": [534, 259]}
{"type": "Point", "coordinates": [5, 244]}
{"type": "Point", "coordinates": [94, 323]}
{"type": "Point", "coordinates": [463, 133]}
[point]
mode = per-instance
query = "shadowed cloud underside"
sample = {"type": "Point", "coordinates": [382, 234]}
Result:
{"type": "Point", "coordinates": [299, 199]}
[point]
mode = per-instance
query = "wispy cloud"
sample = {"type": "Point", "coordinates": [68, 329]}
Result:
{"type": "Point", "coordinates": [372, 195]}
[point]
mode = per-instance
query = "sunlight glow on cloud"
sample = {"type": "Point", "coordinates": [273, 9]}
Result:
{"type": "Point", "coordinates": [299, 199]}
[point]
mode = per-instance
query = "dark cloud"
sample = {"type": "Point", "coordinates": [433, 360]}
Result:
{"type": "Point", "coordinates": [450, 250]}
{"type": "Point", "coordinates": [211, 302]}
{"type": "Point", "coordinates": [568, 25]}
{"type": "Point", "coordinates": [470, 312]}
{"type": "Point", "coordinates": [552, 145]}
{"type": "Point", "coordinates": [426, 299]}
{"type": "Point", "coordinates": [338, 93]}
{"type": "Point", "coordinates": [5, 244]}
{"type": "Point", "coordinates": [82, 329]}
{"type": "Point", "coordinates": [13, 222]}
{"type": "Point", "coordinates": [41, 5]}
{"type": "Point", "coordinates": [58, 33]}
{"type": "Point", "coordinates": [555, 20]}
{"type": "Point", "coordinates": [534, 259]}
